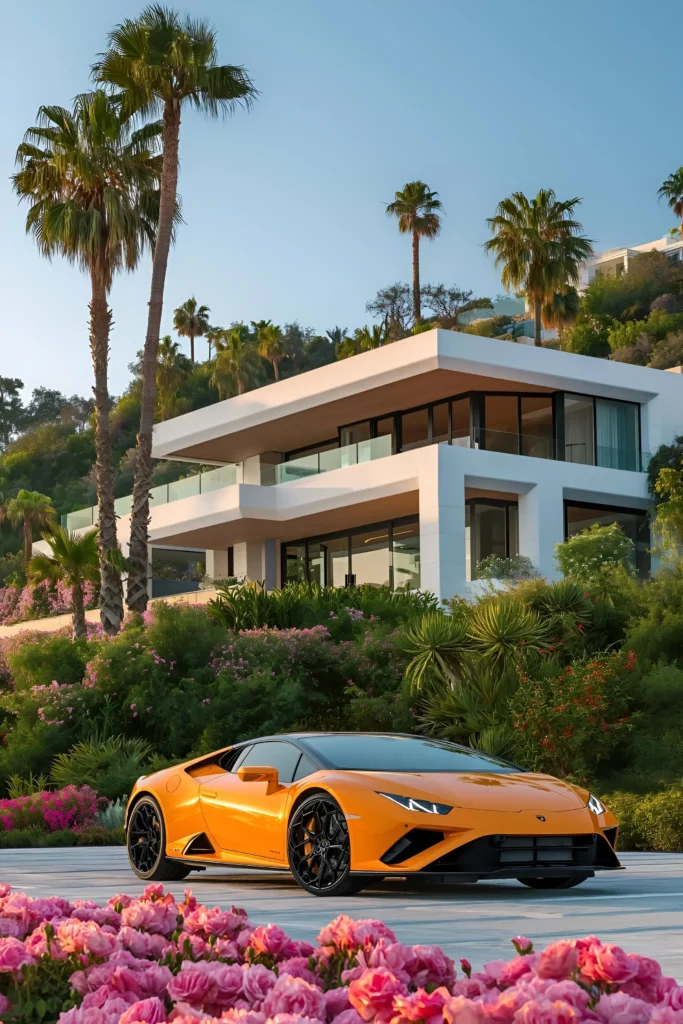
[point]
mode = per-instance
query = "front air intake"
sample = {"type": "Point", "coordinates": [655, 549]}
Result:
{"type": "Point", "coordinates": [416, 841]}
{"type": "Point", "coordinates": [200, 844]}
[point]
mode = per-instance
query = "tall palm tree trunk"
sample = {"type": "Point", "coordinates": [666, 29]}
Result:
{"type": "Point", "coordinates": [416, 278]}
{"type": "Point", "coordinates": [276, 367]}
{"type": "Point", "coordinates": [537, 321]}
{"type": "Point", "coordinates": [139, 522]}
{"type": "Point", "coordinates": [111, 591]}
{"type": "Point", "coordinates": [78, 625]}
{"type": "Point", "coordinates": [28, 543]}
{"type": "Point", "coordinates": [192, 349]}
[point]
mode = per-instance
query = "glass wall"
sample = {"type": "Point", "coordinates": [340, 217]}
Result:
{"type": "Point", "coordinates": [578, 430]}
{"type": "Point", "coordinates": [491, 528]}
{"type": "Point", "coordinates": [536, 426]}
{"type": "Point", "coordinates": [460, 419]}
{"type": "Point", "coordinates": [501, 423]}
{"type": "Point", "coordinates": [617, 432]}
{"type": "Point", "coordinates": [414, 429]}
{"type": "Point", "coordinates": [634, 523]}
{"type": "Point", "coordinates": [385, 555]}
{"type": "Point", "coordinates": [440, 423]}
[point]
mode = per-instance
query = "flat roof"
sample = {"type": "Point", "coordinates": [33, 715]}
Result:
{"type": "Point", "coordinates": [308, 408]}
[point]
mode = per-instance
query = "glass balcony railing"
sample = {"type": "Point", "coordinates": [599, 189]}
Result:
{"type": "Point", "coordinates": [324, 462]}
{"type": "Point", "coordinates": [367, 451]}
{"type": "Point", "coordinates": [202, 483]}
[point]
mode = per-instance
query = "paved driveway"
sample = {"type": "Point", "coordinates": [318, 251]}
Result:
{"type": "Point", "coordinates": [640, 908]}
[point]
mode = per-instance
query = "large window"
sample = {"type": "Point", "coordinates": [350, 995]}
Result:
{"type": "Point", "coordinates": [536, 420]}
{"type": "Point", "coordinates": [491, 528]}
{"type": "Point", "coordinates": [501, 422]}
{"type": "Point", "coordinates": [616, 426]}
{"type": "Point", "coordinates": [414, 429]}
{"type": "Point", "coordinates": [634, 523]}
{"type": "Point", "coordinates": [386, 555]}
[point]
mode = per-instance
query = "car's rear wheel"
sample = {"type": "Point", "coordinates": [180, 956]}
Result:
{"type": "Point", "coordinates": [319, 848]}
{"type": "Point", "coordinates": [146, 842]}
{"type": "Point", "coordinates": [553, 883]}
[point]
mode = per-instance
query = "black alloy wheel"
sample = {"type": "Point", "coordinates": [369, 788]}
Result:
{"type": "Point", "coordinates": [553, 883]}
{"type": "Point", "coordinates": [319, 848]}
{"type": "Point", "coordinates": [146, 842]}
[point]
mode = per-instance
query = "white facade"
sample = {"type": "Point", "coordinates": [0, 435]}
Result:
{"type": "Point", "coordinates": [614, 262]}
{"type": "Point", "coordinates": [427, 505]}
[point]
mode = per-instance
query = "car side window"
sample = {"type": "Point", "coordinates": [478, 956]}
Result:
{"type": "Point", "coordinates": [275, 754]}
{"type": "Point", "coordinates": [305, 767]}
{"type": "Point", "coordinates": [240, 757]}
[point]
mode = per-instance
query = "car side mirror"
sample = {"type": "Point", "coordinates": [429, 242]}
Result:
{"type": "Point", "coordinates": [259, 773]}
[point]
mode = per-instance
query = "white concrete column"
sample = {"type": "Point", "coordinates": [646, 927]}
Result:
{"type": "Point", "coordinates": [442, 522]}
{"type": "Point", "coordinates": [249, 561]}
{"type": "Point", "coordinates": [217, 564]}
{"type": "Point", "coordinates": [541, 526]}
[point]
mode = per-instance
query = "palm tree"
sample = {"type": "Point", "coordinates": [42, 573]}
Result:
{"type": "Point", "coordinates": [271, 345]}
{"type": "Point", "coordinates": [162, 63]}
{"type": "Point", "coordinates": [170, 374]}
{"type": "Point", "coordinates": [212, 335]}
{"type": "Point", "coordinates": [561, 310]}
{"type": "Point", "coordinates": [29, 510]}
{"type": "Point", "coordinates": [75, 560]}
{"type": "Point", "coordinates": [336, 335]}
{"type": "Point", "coordinates": [540, 246]}
{"type": "Point", "coordinates": [416, 209]}
{"type": "Point", "coordinates": [234, 361]}
{"type": "Point", "coordinates": [672, 191]}
{"type": "Point", "coordinates": [191, 321]}
{"type": "Point", "coordinates": [92, 184]}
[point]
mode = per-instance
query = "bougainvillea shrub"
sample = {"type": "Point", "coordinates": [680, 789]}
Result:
{"type": "Point", "coordinates": [149, 959]}
{"type": "Point", "coordinates": [51, 810]}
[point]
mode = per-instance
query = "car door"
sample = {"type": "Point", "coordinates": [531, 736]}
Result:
{"type": "Point", "coordinates": [251, 817]}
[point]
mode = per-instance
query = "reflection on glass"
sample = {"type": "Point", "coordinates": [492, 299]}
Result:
{"type": "Point", "coordinates": [295, 562]}
{"type": "Point", "coordinates": [336, 561]}
{"type": "Point", "coordinates": [578, 430]}
{"type": "Point", "coordinates": [460, 413]}
{"type": "Point", "coordinates": [440, 423]}
{"type": "Point", "coordinates": [316, 563]}
{"type": "Point", "coordinates": [186, 488]}
{"type": "Point", "coordinates": [385, 428]}
{"type": "Point", "coordinates": [414, 429]}
{"type": "Point", "coordinates": [370, 557]}
{"type": "Point", "coordinates": [537, 427]}
{"type": "Point", "coordinates": [513, 530]}
{"type": "Point", "coordinates": [406, 540]}
{"type": "Point", "coordinates": [355, 433]}
{"type": "Point", "coordinates": [502, 427]}
{"type": "Point", "coordinates": [634, 524]}
{"type": "Point", "coordinates": [617, 430]}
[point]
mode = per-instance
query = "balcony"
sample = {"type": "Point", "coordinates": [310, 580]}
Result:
{"type": "Point", "coordinates": [282, 473]}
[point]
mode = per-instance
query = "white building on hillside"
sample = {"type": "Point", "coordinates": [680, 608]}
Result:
{"type": "Point", "coordinates": [408, 464]}
{"type": "Point", "coordinates": [614, 262]}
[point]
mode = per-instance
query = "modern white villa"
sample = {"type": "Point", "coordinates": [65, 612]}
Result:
{"type": "Point", "coordinates": [407, 465]}
{"type": "Point", "coordinates": [614, 262]}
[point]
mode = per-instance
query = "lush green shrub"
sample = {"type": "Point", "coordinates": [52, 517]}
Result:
{"type": "Point", "coordinates": [88, 835]}
{"type": "Point", "coordinates": [587, 554]}
{"type": "Point", "coordinates": [568, 723]}
{"type": "Point", "coordinates": [109, 764]}
{"type": "Point", "coordinates": [650, 822]}
{"type": "Point", "coordinates": [656, 327]}
{"type": "Point", "coordinates": [517, 567]}
{"type": "Point", "coordinates": [588, 337]}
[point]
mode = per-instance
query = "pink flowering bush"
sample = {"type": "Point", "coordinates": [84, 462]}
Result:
{"type": "Point", "coordinates": [152, 960]}
{"type": "Point", "coordinates": [51, 810]}
{"type": "Point", "coordinates": [39, 600]}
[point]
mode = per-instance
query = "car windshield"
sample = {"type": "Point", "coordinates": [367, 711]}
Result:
{"type": "Point", "coordinates": [362, 752]}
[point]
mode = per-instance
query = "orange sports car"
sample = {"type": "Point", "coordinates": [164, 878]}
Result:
{"type": "Point", "coordinates": [339, 809]}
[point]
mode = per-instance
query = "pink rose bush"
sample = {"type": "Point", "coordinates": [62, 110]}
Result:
{"type": "Point", "coordinates": [51, 810]}
{"type": "Point", "coordinates": [154, 960]}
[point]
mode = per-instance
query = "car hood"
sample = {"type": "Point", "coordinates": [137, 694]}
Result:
{"type": "Point", "coordinates": [526, 791]}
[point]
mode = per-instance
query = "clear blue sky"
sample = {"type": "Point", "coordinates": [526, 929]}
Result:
{"type": "Point", "coordinates": [284, 206]}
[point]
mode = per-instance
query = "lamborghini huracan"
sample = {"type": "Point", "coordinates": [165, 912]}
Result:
{"type": "Point", "coordinates": [341, 809]}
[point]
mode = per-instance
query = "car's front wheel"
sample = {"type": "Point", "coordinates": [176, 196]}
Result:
{"type": "Point", "coordinates": [146, 843]}
{"type": "Point", "coordinates": [319, 848]}
{"type": "Point", "coordinates": [553, 883]}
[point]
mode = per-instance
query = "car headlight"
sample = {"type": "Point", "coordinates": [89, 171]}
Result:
{"type": "Point", "coordinates": [409, 803]}
{"type": "Point", "coordinates": [594, 805]}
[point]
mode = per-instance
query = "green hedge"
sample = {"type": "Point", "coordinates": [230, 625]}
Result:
{"type": "Point", "coordinates": [91, 835]}
{"type": "Point", "coordinates": [650, 822]}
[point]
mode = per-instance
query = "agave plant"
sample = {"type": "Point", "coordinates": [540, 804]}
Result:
{"type": "Point", "coordinates": [439, 648]}
{"type": "Point", "coordinates": [110, 764]}
{"type": "Point", "coordinates": [506, 633]}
